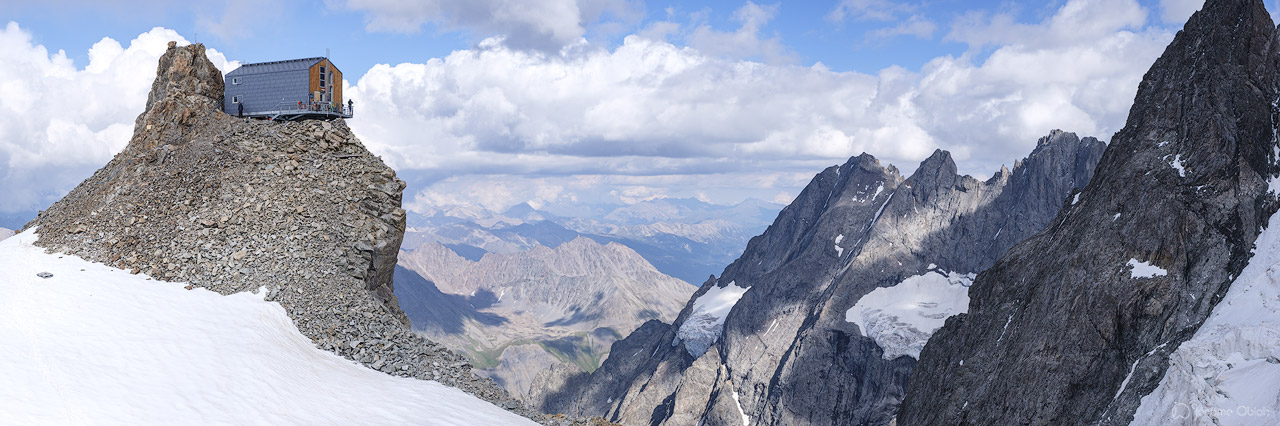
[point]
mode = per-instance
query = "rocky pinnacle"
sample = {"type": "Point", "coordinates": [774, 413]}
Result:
{"type": "Point", "coordinates": [1064, 329]}
{"type": "Point", "coordinates": [298, 210]}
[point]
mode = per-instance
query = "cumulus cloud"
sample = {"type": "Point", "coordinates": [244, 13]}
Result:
{"type": "Point", "coordinates": [747, 41]}
{"type": "Point", "coordinates": [498, 124]}
{"type": "Point", "coordinates": [59, 122]}
{"type": "Point", "coordinates": [542, 25]}
{"type": "Point", "coordinates": [650, 108]}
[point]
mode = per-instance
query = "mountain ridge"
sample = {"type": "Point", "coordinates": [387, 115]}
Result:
{"type": "Point", "coordinates": [855, 227]}
{"type": "Point", "coordinates": [1127, 271]}
{"type": "Point", "coordinates": [546, 307]}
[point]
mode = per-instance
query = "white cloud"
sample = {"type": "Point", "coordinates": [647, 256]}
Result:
{"type": "Point", "coordinates": [499, 125]}
{"type": "Point", "coordinates": [541, 25]}
{"type": "Point", "coordinates": [746, 41]}
{"type": "Point", "coordinates": [1177, 11]}
{"type": "Point", "coordinates": [58, 122]}
{"type": "Point", "coordinates": [650, 108]}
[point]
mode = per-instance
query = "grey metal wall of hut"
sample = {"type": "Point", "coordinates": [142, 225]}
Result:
{"type": "Point", "coordinates": [267, 87]}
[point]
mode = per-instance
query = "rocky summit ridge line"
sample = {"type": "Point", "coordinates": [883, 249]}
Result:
{"type": "Point", "coordinates": [1076, 324]}
{"type": "Point", "coordinates": [301, 210]}
{"type": "Point", "coordinates": [786, 353]}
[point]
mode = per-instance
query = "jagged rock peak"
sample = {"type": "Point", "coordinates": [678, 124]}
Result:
{"type": "Point", "coordinates": [188, 88]}
{"type": "Point", "coordinates": [1065, 329]}
{"type": "Point", "coordinates": [184, 72]}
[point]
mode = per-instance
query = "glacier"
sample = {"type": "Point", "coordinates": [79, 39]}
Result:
{"type": "Point", "coordinates": [1227, 373]}
{"type": "Point", "coordinates": [706, 322]}
{"type": "Point", "coordinates": [901, 318]}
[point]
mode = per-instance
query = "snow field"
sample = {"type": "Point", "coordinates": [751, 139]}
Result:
{"type": "Point", "coordinates": [901, 318]}
{"type": "Point", "coordinates": [705, 324]}
{"type": "Point", "coordinates": [1228, 373]}
{"type": "Point", "coordinates": [96, 345]}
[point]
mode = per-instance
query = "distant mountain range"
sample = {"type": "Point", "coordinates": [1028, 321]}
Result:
{"type": "Point", "coordinates": [685, 238]}
{"type": "Point", "coordinates": [518, 314]}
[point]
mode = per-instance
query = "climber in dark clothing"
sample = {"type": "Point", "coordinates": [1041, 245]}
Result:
{"type": "Point", "coordinates": [240, 109]}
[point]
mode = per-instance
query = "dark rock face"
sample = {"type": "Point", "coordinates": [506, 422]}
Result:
{"type": "Point", "coordinates": [787, 355]}
{"type": "Point", "coordinates": [1063, 330]}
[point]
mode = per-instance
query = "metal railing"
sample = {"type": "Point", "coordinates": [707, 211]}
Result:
{"type": "Point", "coordinates": [324, 107]}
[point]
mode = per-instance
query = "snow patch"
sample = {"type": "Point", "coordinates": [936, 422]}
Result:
{"type": "Point", "coordinates": [97, 345]}
{"type": "Point", "coordinates": [1227, 372]}
{"type": "Point", "coordinates": [1133, 368]}
{"type": "Point", "coordinates": [1273, 187]}
{"type": "Point", "coordinates": [1117, 216]}
{"type": "Point", "coordinates": [1177, 165]}
{"type": "Point", "coordinates": [706, 322]}
{"type": "Point", "coordinates": [746, 420]}
{"type": "Point", "coordinates": [881, 211]}
{"type": "Point", "coordinates": [839, 250]}
{"type": "Point", "coordinates": [1075, 199]}
{"type": "Point", "coordinates": [901, 318]}
{"type": "Point", "coordinates": [1145, 270]}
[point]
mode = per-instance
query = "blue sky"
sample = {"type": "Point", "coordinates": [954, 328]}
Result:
{"type": "Point", "coordinates": [565, 102]}
{"type": "Point", "coordinates": [239, 29]}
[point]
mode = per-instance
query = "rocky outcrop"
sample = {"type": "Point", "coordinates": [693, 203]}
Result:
{"type": "Point", "coordinates": [300, 210]}
{"type": "Point", "coordinates": [1076, 324]}
{"type": "Point", "coordinates": [786, 353]}
{"type": "Point", "coordinates": [524, 314]}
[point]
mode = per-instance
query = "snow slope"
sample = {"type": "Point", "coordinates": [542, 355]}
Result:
{"type": "Point", "coordinates": [901, 318]}
{"type": "Point", "coordinates": [706, 322]}
{"type": "Point", "coordinates": [5, 233]}
{"type": "Point", "coordinates": [1229, 372]}
{"type": "Point", "coordinates": [96, 345]}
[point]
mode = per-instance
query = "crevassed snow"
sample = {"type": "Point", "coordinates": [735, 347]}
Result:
{"type": "Point", "coordinates": [901, 318]}
{"type": "Point", "coordinates": [1227, 373]}
{"type": "Point", "coordinates": [1139, 269]}
{"type": "Point", "coordinates": [706, 322]}
{"type": "Point", "coordinates": [96, 345]}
